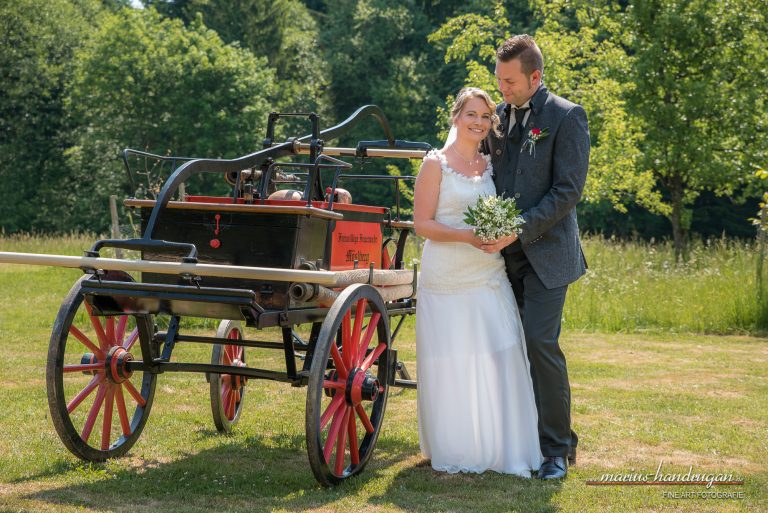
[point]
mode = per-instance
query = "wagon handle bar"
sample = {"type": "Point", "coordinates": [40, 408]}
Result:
{"type": "Point", "coordinates": [345, 126]}
{"type": "Point", "coordinates": [144, 244]}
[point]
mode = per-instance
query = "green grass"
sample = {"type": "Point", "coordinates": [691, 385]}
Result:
{"type": "Point", "coordinates": [637, 287]}
{"type": "Point", "coordinates": [638, 399]}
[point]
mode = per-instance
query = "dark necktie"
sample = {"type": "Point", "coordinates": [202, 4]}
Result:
{"type": "Point", "coordinates": [519, 126]}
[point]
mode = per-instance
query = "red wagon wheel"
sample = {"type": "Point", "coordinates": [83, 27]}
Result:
{"type": "Point", "coordinates": [98, 405]}
{"type": "Point", "coordinates": [227, 391]}
{"type": "Point", "coordinates": [347, 389]}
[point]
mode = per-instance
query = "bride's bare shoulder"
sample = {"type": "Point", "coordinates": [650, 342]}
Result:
{"type": "Point", "coordinates": [432, 162]}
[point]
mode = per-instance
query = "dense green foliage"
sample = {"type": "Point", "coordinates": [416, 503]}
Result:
{"type": "Point", "coordinates": [700, 70]}
{"type": "Point", "coordinates": [37, 43]}
{"type": "Point", "coordinates": [675, 93]}
{"type": "Point", "coordinates": [153, 84]}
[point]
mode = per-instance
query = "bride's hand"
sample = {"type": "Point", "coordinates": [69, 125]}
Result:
{"type": "Point", "coordinates": [494, 246]}
{"type": "Point", "coordinates": [474, 240]}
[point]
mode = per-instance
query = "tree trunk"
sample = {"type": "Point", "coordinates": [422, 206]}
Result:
{"type": "Point", "coordinates": [680, 224]}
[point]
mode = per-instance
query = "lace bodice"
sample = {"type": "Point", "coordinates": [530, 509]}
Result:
{"type": "Point", "coordinates": [458, 191]}
{"type": "Point", "coordinates": [451, 266]}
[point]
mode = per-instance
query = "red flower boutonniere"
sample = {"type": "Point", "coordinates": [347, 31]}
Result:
{"type": "Point", "coordinates": [534, 135]}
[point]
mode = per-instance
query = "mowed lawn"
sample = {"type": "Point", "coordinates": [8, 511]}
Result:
{"type": "Point", "coordinates": [639, 401]}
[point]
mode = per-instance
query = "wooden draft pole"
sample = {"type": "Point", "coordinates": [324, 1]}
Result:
{"type": "Point", "coordinates": [332, 279]}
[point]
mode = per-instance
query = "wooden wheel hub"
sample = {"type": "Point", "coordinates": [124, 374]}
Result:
{"type": "Point", "coordinates": [234, 381]}
{"type": "Point", "coordinates": [116, 364]}
{"type": "Point", "coordinates": [361, 386]}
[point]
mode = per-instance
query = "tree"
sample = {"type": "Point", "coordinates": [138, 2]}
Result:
{"type": "Point", "coordinates": [281, 31]}
{"type": "Point", "coordinates": [37, 40]}
{"type": "Point", "coordinates": [153, 84]}
{"type": "Point", "coordinates": [699, 70]}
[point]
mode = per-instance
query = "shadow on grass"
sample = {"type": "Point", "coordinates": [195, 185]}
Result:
{"type": "Point", "coordinates": [272, 472]}
{"type": "Point", "coordinates": [264, 473]}
{"type": "Point", "coordinates": [418, 488]}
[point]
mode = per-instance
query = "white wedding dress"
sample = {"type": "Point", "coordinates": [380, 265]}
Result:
{"type": "Point", "coordinates": [476, 407]}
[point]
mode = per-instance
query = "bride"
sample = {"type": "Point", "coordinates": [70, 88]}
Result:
{"type": "Point", "coordinates": [476, 406]}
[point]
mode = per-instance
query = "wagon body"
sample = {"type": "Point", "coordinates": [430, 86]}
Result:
{"type": "Point", "coordinates": [251, 235]}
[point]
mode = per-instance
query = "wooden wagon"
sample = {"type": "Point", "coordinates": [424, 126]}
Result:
{"type": "Point", "coordinates": [250, 262]}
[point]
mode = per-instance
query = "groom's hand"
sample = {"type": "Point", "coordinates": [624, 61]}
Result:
{"type": "Point", "coordinates": [497, 245]}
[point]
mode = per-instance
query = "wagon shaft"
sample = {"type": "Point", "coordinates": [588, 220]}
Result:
{"type": "Point", "coordinates": [333, 279]}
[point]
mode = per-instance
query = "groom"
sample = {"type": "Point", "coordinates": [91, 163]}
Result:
{"type": "Point", "coordinates": [541, 160]}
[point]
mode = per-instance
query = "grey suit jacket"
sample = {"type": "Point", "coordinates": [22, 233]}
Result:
{"type": "Point", "coordinates": [547, 185]}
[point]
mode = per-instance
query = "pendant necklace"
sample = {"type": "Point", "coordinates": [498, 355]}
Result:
{"type": "Point", "coordinates": [469, 162]}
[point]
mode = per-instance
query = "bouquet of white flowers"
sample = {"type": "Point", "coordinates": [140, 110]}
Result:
{"type": "Point", "coordinates": [494, 217]}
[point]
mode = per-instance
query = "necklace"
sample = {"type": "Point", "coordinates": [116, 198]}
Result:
{"type": "Point", "coordinates": [469, 162]}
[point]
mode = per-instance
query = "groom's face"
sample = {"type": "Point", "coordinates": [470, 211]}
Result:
{"type": "Point", "coordinates": [516, 86]}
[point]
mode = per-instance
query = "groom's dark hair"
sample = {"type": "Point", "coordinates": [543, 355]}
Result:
{"type": "Point", "coordinates": [522, 47]}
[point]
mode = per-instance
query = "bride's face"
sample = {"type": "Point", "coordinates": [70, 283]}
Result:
{"type": "Point", "coordinates": [474, 120]}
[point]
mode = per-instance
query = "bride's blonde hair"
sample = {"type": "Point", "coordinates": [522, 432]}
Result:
{"type": "Point", "coordinates": [468, 93]}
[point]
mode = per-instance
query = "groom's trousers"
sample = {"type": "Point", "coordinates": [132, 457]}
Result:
{"type": "Point", "coordinates": [541, 311]}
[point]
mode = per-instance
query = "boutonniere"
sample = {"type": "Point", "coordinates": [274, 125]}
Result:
{"type": "Point", "coordinates": [534, 135]}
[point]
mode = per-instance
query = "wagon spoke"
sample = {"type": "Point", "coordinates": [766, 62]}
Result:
{"type": "Point", "coordinates": [373, 356]}
{"type": "Point", "coordinates": [94, 411]}
{"type": "Point", "coordinates": [368, 336]}
{"type": "Point", "coordinates": [225, 388]}
{"type": "Point", "coordinates": [364, 418]}
{"type": "Point", "coordinates": [345, 339]}
{"type": "Point", "coordinates": [337, 401]}
{"type": "Point", "coordinates": [354, 452]}
{"type": "Point", "coordinates": [106, 421]}
{"type": "Point", "coordinates": [135, 393]}
{"type": "Point", "coordinates": [121, 411]}
{"type": "Point", "coordinates": [83, 367]}
{"type": "Point", "coordinates": [341, 445]}
{"type": "Point", "coordinates": [226, 395]}
{"type": "Point", "coordinates": [359, 317]}
{"type": "Point", "coordinates": [120, 332]}
{"type": "Point", "coordinates": [336, 385]}
{"type": "Point", "coordinates": [132, 338]}
{"type": "Point", "coordinates": [86, 341]}
{"type": "Point", "coordinates": [75, 402]}
{"type": "Point", "coordinates": [103, 342]}
{"type": "Point", "coordinates": [333, 433]}
{"type": "Point", "coordinates": [110, 322]}
{"type": "Point", "coordinates": [231, 405]}
{"type": "Point", "coordinates": [341, 366]}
